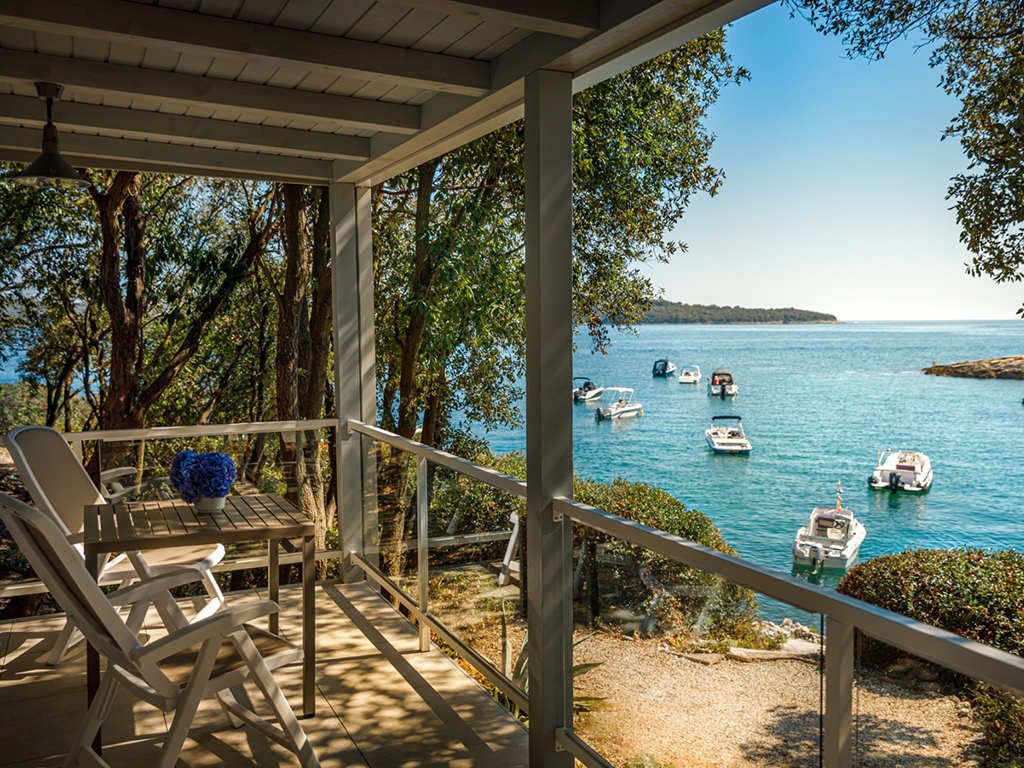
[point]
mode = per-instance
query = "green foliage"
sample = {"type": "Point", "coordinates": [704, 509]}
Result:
{"type": "Point", "coordinates": [448, 238]}
{"type": "Point", "coordinates": [520, 673]}
{"type": "Point", "coordinates": [693, 600]}
{"type": "Point", "coordinates": [980, 47]}
{"type": "Point", "coordinates": [688, 600]}
{"type": "Point", "coordinates": [676, 313]}
{"type": "Point", "coordinates": [972, 592]}
{"type": "Point", "coordinates": [19, 405]}
{"type": "Point", "coordinates": [1003, 716]}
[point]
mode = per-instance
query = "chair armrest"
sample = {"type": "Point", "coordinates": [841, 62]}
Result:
{"type": "Point", "coordinates": [149, 588]}
{"type": "Point", "coordinates": [220, 624]}
{"type": "Point", "coordinates": [110, 474]}
{"type": "Point", "coordinates": [130, 492]}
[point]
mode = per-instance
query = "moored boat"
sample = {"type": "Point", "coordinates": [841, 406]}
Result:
{"type": "Point", "coordinates": [664, 367]}
{"type": "Point", "coordinates": [622, 405]}
{"type": "Point", "coordinates": [830, 539]}
{"type": "Point", "coordinates": [722, 385]}
{"type": "Point", "coordinates": [689, 374]}
{"type": "Point", "coordinates": [586, 390]}
{"type": "Point", "coordinates": [902, 471]}
{"type": "Point", "coordinates": [726, 435]}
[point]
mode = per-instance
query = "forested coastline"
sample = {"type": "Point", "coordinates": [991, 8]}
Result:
{"type": "Point", "coordinates": [675, 313]}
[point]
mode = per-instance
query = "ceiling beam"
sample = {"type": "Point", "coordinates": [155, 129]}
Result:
{"type": "Point", "coordinates": [139, 124]}
{"type": "Point", "coordinates": [109, 152]}
{"type": "Point", "coordinates": [566, 18]}
{"type": "Point", "coordinates": [102, 78]}
{"type": "Point", "coordinates": [118, 21]}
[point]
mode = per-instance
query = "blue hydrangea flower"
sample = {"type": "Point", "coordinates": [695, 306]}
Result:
{"type": "Point", "coordinates": [202, 474]}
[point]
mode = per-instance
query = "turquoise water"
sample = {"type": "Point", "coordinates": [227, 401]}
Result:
{"type": "Point", "coordinates": [818, 402]}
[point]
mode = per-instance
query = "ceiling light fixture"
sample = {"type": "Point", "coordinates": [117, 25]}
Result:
{"type": "Point", "coordinates": [50, 170]}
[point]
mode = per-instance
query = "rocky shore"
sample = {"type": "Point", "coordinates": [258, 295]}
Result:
{"type": "Point", "coordinates": [994, 368]}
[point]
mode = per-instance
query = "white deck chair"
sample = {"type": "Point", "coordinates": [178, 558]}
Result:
{"type": "Point", "coordinates": [62, 488]}
{"type": "Point", "coordinates": [173, 673]}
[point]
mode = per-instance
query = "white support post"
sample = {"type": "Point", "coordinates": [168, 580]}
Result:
{"type": "Point", "coordinates": [422, 549]}
{"type": "Point", "coordinates": [354, 374]}
{"type": "Point", "coordinates": [838, 694]}
{"type": "Point", "coordinates": [548, 108]}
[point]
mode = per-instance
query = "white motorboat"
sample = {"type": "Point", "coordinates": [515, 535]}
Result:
{"type": "Point", "coordinates": [664, 367]}
{"type": "Point", "coordinates": [586, 390]}
{"type": "Point", "coordinates": [689, 374]}
{"type": "Point", "coordinates": [722, 385]}
{"type": "Point", "coordinates": [902, 471]}
{"type": "Point", "coordinates": [830, 539]}
{"type": "Point", "coordinates": [726, 435]}
{"type": "Point", "coordinates": [622, 405]}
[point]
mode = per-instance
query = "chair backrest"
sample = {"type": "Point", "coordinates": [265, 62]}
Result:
{"type": "Point", "coordinates": [54, 476]}
{"type": "Point", "coordinates": [63, 572]}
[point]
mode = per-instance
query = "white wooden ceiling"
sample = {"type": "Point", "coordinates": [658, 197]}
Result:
{"type": "Point", "coordinates": [311, 91]}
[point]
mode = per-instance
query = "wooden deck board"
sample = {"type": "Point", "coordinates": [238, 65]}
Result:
{"type": "Point", "coordinates": [382, 703]}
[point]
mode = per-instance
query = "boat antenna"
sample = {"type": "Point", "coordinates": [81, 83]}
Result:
{"type": "Point", "coordinates": [839, 494]}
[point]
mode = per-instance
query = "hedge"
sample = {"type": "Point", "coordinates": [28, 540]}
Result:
{"type": "Point", "coordinates": [976, 593]}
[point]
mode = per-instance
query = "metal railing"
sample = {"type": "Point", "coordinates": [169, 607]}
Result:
{"type": "Point", "coordinates": [419, 608]}
{"type": "Point", "coordinates": [843, 614]}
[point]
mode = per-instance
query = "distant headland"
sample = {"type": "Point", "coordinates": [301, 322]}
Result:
{"type": "Point", "coordinates": [673, 312]}
{"type": "Point", "coordinates": [995, 368]}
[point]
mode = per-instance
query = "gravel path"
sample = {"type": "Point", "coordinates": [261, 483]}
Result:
{"type": "Point", "coordinates": [662, 706]}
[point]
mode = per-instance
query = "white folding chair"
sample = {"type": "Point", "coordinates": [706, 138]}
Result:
{"type": "Point", "coordinates": [61, 488]}
{"type": "Point", "coordinates": [173, 673]}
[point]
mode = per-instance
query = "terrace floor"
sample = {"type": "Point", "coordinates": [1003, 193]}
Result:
{"type": "Point", "coordinates": [381, 702]}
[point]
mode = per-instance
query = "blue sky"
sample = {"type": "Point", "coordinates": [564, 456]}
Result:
{"type": "Point", "coordinates": [834, 198]}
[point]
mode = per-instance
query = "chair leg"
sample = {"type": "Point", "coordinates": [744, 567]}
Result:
{"type": "Point", "coordinates": [94, 718]}
{"type": "Point", "coordinates": [268, 686]}
{"type": "Point", "coordinates": [188, 703]}
{"type": "Point", "coordinates": [216, 601]}
{"type": "Point", "coordinates": [225, 697]}
{"type": "Point", "coordinates": [63, 643]}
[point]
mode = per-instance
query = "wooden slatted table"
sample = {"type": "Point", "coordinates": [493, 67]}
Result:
{"type": "Point", "coordinates": [142, 525]}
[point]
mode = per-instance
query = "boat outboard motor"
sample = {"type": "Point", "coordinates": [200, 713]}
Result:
{"type": "Point", "coordinates": [894, 481]}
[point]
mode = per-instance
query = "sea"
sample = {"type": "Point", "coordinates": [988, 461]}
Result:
{"type": "Point", "coordinates": [818, 402]}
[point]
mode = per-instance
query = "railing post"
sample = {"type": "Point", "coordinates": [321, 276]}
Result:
{"type": "Point", "coordinates": [422, 564]}
{"type": "Point", "coordinates": [549, 322]}
{"type": "Point", "coordinates": [354, 375]}
{"type": "Point", "coordinates": [838, 694]}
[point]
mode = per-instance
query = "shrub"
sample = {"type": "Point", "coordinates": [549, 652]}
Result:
{"type": "Point", "coordinates": [715, 608]}
{"type": "Point", "coordinates": [977, 594]}
{"type": "Point", "coordinates": [974, 593]}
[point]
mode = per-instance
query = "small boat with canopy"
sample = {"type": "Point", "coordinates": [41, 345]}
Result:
{"type": "Point", "coordinates": [902, 471]}
{"type": "Point", "coordinates": [722, 385]}
{"type": "Point", "coordinates": [585, 390]}
{"type": "Point", "coordinates": [726, 435]}
{"type": "Point", "coordinates": [663, 368]}
{"type": "Point", "coordinates": [689, 374]}
{"type": "Point", "coordinates": [622, 405]}
{"type": "Point", "coordinates": [831, 538]}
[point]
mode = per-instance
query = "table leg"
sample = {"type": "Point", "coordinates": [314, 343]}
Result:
{"type": "Point", "coordinates": [273, 581]}
{"type": "Point", "coordinates": [308, 627]}
{"type": "Point", "coordinates": [92, 657]}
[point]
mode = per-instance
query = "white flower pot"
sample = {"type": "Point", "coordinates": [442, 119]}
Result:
{"type": "Point", "coordinates": [206, 504]}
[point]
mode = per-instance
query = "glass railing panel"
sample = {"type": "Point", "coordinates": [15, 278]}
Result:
{"type": "Point", "coordinates": [297, 465]}
{"type": "Point", "coordinates": [392, 545]}
{"type": "Point", "coordinates": [475, 581]}
{"type": "Point", "coordinates": [675, 666]}
{"type": "Point", "coordinates": [916, 713]}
